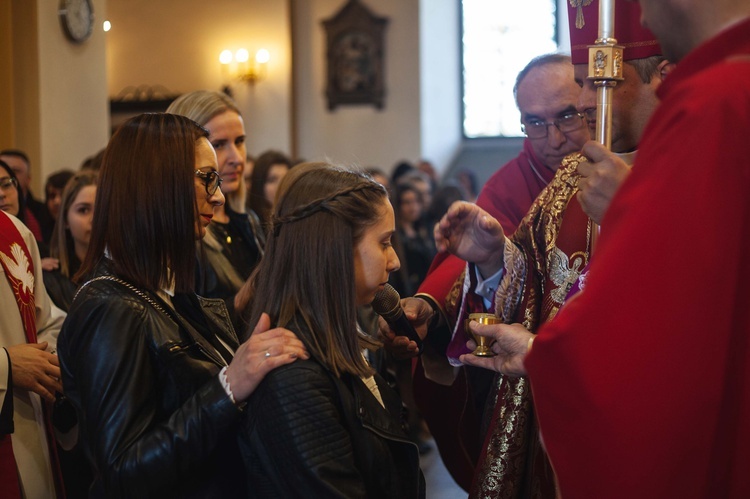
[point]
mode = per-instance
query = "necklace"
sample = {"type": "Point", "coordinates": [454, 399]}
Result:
{"type": "Point", "coordinates": [224, 232]}
{"type": "Point", "coordinates": [536, 172]}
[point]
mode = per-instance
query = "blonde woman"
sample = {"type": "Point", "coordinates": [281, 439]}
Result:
{"type": "Point", "coordinates": [234, 241]}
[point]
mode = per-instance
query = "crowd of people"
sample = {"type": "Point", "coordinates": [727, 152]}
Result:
{"type": "Point", "coordinates": [181, 319]}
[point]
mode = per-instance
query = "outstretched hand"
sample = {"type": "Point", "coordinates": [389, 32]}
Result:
{"type": "Point", "coordinates": [511, 344]}
{"type": "Point", "coordinates": [419, 313]}
{"type": "Point", "coordinates": [601, 176]}
{"type": "Point", "coordinates": [35, 370]}
{"type": "Point", "coordinates": [472, 234]}
{"type": "Point", "coordinates": [265, 350]}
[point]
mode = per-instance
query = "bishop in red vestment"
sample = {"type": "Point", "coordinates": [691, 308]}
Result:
{"type": "Point", "coordinates": [642, 382]}
{"type": "Point", "coordinates": [543, 259]}
{"type": "Point", "coordinates": [546, 90]}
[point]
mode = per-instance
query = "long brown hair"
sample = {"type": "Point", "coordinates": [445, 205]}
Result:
{"type": "Point", "coordinates": [307, 273]}
{"type": "Point", "coordinates": [61, 244]}
{"type": "Point", "coordinates": [146, 209]}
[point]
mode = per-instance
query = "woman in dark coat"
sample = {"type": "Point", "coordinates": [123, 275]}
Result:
{"type": "Point", "coordinates": [156, 373]}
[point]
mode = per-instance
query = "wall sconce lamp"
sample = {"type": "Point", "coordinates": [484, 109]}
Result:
{"type": "Point", "coordinates": [238, 66]}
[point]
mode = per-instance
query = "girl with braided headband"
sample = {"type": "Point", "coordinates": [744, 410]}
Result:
{"type": "Point", "coordinates": [327, 426]}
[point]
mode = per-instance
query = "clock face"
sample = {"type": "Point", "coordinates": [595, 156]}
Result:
{"type": "Point", "coordinates": [77, 17]}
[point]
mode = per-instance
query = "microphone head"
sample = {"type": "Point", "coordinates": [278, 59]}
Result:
{"type": "Point", "coordinates": [386, 301]}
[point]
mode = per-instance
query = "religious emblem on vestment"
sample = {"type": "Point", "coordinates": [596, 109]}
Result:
{"type": "Point", "coordinates": [579, 5]}
{"type": "Point", "coordinates": [564, 272]}
{"type": "Point", "coordinates": [21, 279]}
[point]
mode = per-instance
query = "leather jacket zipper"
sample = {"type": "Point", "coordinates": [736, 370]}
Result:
{"type": "Point", "coordinates": [212, 355]}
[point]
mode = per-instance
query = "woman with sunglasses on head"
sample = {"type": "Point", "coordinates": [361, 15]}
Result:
{"type": "Point", "coordinates": [156, 373]}
{"type": "Point", "coordinates": [234, 241]}
{"type": "Point", "coordinates": [328, 426]}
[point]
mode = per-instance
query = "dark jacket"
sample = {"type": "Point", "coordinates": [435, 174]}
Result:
{"type": "Point", "coordinates": [227, 259]}
{"type": "Point", "coordinates": [59, 288]}
{"type": "Point", "coordinates": [155, 420]}
{"type": "Point", "coordinates": [309, 434]}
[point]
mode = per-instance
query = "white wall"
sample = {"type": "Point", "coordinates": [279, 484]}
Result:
{"type": "Point", "coordinates": [440, 81]}
{"type": "Point", "coordinates": [73, 98]}
{"type": "Point", "coordinates": [361, 135]}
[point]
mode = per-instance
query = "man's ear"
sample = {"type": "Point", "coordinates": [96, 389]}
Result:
{"type": "Point", "coordinates": [664, 68]}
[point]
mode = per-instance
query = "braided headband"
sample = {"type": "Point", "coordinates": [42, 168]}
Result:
{"type": "Point", "coordinates": [315, 207]}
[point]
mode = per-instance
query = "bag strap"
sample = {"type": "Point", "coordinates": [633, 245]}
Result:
{"type": "Point", "coordinates": [205, 345]}
{"type": "Point", "coordinates": [132, 288]}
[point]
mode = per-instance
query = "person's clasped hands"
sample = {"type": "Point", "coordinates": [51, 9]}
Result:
{"type": "Point", "coordinates": [35, 370]}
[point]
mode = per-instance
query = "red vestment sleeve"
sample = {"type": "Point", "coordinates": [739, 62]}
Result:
{"type": "Point", "coordinates": [642, 382]}
{"type": "Point", "coordinates": [507, 196]}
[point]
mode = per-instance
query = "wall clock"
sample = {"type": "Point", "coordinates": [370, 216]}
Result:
{"type": "Point", "coordinates": [77, 19]}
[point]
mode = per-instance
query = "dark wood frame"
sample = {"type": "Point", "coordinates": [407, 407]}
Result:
{"type": "Point", "coordinates": [355, 57]}
{"type": "Point", "coordinates": [132, 101]}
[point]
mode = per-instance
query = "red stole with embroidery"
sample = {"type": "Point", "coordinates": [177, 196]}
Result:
{"type": "Point", "coordinates": [19, 270]}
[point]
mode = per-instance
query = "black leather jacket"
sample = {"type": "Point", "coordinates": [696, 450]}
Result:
{"type": "Point", "coordinates": [155, 420]}
{"type": "Point", "coordinates": [309, 434]}
{"type": "Point", "coordinates": [60, 288]}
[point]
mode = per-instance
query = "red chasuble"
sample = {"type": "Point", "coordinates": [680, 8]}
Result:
{"type": "Point", "coordinates": [542, 261]}
{"type": "Point", "coordinates": [642, 382]}
{"type": "Point", "coordinates": [450, 411]}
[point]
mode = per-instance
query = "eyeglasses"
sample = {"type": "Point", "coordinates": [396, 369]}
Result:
{"type": "Point", "coordinates": [211, 179]}
{"type": "Point", "coordinates": [590, 114]}
{"type": "Point", "coordinates": [8, 182]}
{"type": "Point", "coordinates": [537, 129]}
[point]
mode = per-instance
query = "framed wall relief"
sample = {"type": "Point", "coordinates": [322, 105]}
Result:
{"type": "Point", "coordinates": [354, 56]}
{"type": "Point", "coordinates": [132, 101]}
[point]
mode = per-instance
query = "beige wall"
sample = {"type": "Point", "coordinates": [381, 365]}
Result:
{"type": "Point", "coordinates": [7, 135]}
{"type": "Point", "coordinates": [59, 91]}
{"type": "Point", "coordinates": [59, 108]}
{"type": "Point", "coordinates": [74, 108]}
{"type": "Point", "coordinates": [176, 44]}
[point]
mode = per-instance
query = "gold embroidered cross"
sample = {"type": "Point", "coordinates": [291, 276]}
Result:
{"type": "Point", "coordinates": [579, 5]}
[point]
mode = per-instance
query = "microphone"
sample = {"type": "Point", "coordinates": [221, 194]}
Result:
{"type": "Point", "coordinates": [387, 304]}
